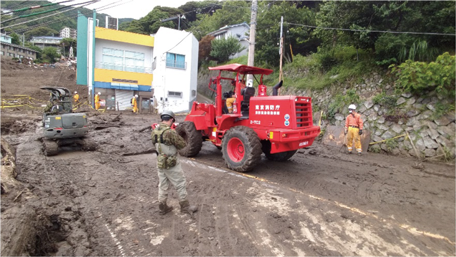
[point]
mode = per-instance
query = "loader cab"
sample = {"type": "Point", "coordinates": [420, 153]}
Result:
{"type": "Point", "coordinates": [242, 94]}
{"type": "Point", "coordinates": [246, 93]}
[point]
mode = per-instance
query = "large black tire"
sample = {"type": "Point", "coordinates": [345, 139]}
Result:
{"type": "Point", "coordinates": [278, 157]}
{"type": "Point", "coordinates": [193, 137]}
{"type": "Point", "coordinates": [241, 149]}
{"type": "Point", "coordinates": [50, 147]}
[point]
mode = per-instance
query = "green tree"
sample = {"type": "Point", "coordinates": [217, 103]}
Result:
{"type": "Point", "coordinates": [232, 12]}
{"type": "Point", "coordinates": [222, 49]}
{"type": "Point", "coordinates": [36, 48]}
{"type": "Point", "coordinates": [268, 31]}
{"type": "Point", "coordinates": [15, 39]}
{"type": "Point", "coordinates": [66, 43]}
{"type": "Point", "coordinates": [49, 54]}
{"type": "Point", "coordinates": [40, 31]}
{"type": "Point", "coordinates": [406, 16]}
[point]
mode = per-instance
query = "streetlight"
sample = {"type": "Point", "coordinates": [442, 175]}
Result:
{"type": "Point", "coordinates": [173, 18]}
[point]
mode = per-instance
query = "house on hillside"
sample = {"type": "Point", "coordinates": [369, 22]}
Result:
{"type": "Point", "coordinates": [47, 41]}
{"type": "Point", "coordinates": [238, 31]}
{"type": "Point", "coordinates": [7, 49]}
{"type": "Point", "coordinates": [122, 64]}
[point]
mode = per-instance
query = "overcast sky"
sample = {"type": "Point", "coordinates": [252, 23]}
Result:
{"type": "Point", "coordinates": [135, 9]}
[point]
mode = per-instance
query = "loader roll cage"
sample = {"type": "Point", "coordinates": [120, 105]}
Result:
{"type": "Point", "coordinates": [241, 71]}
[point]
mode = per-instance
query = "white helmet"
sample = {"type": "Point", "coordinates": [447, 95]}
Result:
{"type": "Point", "coordinates": [75, 92]}
{"type": "Point", "coordinates": [136, 95]}
{"type": "Point", "coordinates": [99, 93]}
{"type": "Point", "coordinates": [352, 107]}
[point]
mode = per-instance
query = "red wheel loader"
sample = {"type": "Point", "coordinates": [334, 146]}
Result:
{"type": "Point", "coordinates": [274, 125]}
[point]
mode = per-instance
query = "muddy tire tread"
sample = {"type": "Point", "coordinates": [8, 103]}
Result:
{"type": "Point", "coordinates": [50, 147]}
{"type": "Point", "coordinates": [252, 146]}
{"type": "Point", "coordinates": [193, 137]}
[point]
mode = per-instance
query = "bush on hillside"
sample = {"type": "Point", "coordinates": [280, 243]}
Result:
{"type": "Point", "coordinates": [420, 78]}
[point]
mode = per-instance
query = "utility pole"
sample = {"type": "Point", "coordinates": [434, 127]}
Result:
{"type": "Point", "coordinates": [281, 48]}
{"type": "Point", "coordinates": [250, 60]}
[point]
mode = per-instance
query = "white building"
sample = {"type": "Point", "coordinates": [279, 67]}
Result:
{"type": "Point", "coordinates": [161, 69]}
{"type": "Point", "coordinates": [68, 33]}
{"type": "Point", "coordinates": [238, 31]}
{"type": "Point", "coordinates": [175, 69]}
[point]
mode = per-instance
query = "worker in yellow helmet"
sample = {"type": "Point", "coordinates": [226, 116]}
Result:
{"type": "Point", "coordinates": [97, 101]}
{"type": "Point", "coordinates": [76, 97]}
{"type": "Point", "coordinates": [354, 129]}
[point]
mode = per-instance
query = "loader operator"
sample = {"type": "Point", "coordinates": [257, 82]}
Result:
{"type": "Point", "coordinates": [354, 128]}
{"type": "Point", "coordinates": [230, 101]}
{"type": "Point", "coordinates": [168, 142]}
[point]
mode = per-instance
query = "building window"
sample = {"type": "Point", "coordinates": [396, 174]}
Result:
{"type": "Point", "coordinates": [175, 61]}
{"type": "Point", "coordinates": [175, 94]}
{"type": "Point", "coordinates": [2, 53]}
{"type": "Point", "coordinates": [134, 61]}
{"type": "Point", "coordinates": [114, 59]}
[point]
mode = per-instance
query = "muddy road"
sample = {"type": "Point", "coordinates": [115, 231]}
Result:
{"type": "Point", "coordinates": [104, 203]}
{"type": "Point", "coordinates": [320, 202]}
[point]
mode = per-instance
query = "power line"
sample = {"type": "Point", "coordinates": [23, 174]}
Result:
{"type": "Point", "coordinates": [69, 17]}
{"type": "Point", "coordinates": [375, 31]}
{"type": "Point", "coordinates": [86, 3]}
{"type": "Point", "coordinates": [34, 7]}
{"type": "Point", "coordinates": [102, 8]}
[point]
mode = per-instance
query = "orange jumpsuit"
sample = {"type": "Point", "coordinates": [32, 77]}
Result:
{"type": "Point", "coordinates": [353, 123]}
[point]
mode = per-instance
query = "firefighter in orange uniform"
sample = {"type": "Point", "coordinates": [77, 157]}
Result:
{"type": "Point", "coordinates": [354, 128]}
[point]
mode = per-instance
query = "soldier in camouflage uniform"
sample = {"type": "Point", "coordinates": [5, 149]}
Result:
{"type": "Point", "coordinates": [168, 142]}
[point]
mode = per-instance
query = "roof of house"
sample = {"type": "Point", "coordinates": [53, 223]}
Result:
{"type": "Point", "coordinates": [18, 46]}
{"type": "Point", "coordinates": [227, 27]}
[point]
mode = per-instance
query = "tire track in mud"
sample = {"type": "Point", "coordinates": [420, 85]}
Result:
{"type": "Point", "coordinates": [393, 226]}
{"type": "Point", "coordinates": [261, 213]}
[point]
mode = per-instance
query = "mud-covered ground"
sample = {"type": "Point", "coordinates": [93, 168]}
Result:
{"type": "Point", "coordinates": [320, 202]}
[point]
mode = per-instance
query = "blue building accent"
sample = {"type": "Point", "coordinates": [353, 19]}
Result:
{"type": "Point", "coordinates": [108, 85]}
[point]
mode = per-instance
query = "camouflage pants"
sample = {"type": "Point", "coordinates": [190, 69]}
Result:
{"type": "Point", "coordinates": [176, 177]}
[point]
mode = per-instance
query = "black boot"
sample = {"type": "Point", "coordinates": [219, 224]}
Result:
{"type": "Point", "coordinates": [187, 208]}
{"type": "Point", "coordinates": [164, 208]}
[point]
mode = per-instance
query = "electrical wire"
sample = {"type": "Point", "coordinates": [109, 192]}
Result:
{"type": "Point", "coordinates": [34, 7]}
{"type": "Point", "coordinates": [17, 24]}
{"type": "Point", "coordinates": [69, 17]}
{"type": "Point", "coordinates": [375, 31]}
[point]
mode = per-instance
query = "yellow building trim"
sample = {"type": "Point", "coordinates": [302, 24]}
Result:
{"type": "Point", "coordinates": [103, 75]}
{"type": "Point", "coordinates": [123, 36]}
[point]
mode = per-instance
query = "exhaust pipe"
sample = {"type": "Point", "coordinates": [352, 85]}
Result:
{"type": "Point", "coordinates": [276, 88]}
